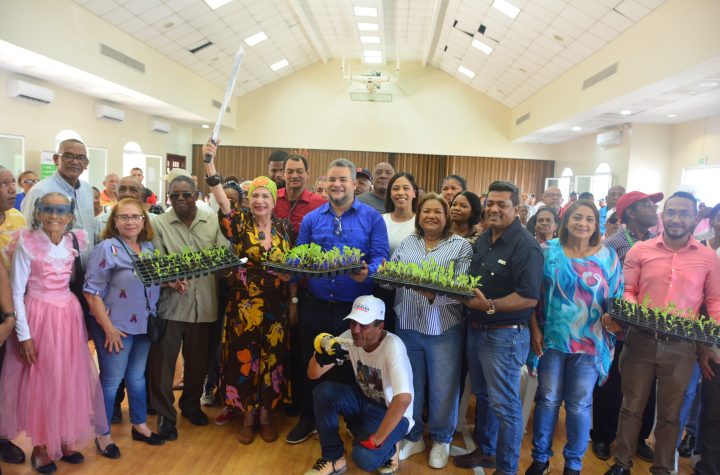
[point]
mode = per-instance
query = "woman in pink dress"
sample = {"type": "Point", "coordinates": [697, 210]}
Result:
{"type": "Point", "coordinates": [49, 386]}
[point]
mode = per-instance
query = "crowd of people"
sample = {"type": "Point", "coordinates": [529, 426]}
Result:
{"type": "Point", "coordinates": [391, 362]}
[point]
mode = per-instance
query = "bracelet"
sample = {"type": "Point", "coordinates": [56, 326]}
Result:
{"type": "Point", "coordinates": [214, 180]}
{"type": "Point", "coordinates": [5, 315]}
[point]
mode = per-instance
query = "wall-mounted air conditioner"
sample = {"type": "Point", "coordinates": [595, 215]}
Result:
{"type": "Point", "coordinates": [159, 126]}
{"type": "Point", "coordinates": [20, 89]}
{"type": "Point", "coordinates": [104, 111]}
{"type": "Point", "coordinates": [613, 137]}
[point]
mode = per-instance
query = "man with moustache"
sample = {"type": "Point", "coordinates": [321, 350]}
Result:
{"type": "Point", "coordinates": [276, 167]}
{"type": "Point", "coordinates": [381, 177]}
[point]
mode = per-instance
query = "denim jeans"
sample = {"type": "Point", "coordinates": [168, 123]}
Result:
{"type": "Point", "coordinates": [571, 378]}
{"type": "Point", "coordinates": [435, 360]}
{"type": "Point", "coordinates": [334, 399]}
{"type": "Point", "coordinates": [495, 359]}
{"type": "Point", "coordinates": [129, 363]}
{"type": "Point", "coordinates": [690, 409]}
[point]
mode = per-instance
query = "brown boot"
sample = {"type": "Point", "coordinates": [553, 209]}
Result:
{"type": "Point", "coordinates": [268, 432]}
{"type": "Point", "coordinates": [247, 432]}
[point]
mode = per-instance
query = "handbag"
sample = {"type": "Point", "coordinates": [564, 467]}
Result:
{"type": "Point", "coordinates": [78, 281]}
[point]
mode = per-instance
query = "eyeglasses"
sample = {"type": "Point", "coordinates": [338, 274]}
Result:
{"type": "Point", "coordinates": [135, 218]}
{"type": "Point", "coordinates": [30, 181]}
{"type": "Point", "coordinates": [55, 209]}
{"type": "Point", "coordinates": [69, 157]}
{"type": "Point", "coordinates": [186, 195]}
{"type": "Point", "coordinates": [338, 227]}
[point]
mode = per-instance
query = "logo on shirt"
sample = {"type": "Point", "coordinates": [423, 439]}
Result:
{"type": "Point", "coordinates": [370, 381]}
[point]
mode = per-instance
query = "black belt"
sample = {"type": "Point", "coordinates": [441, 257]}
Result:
{"type": "Point", "coordinates": [483, 327]}
{"type": "Point", "coordinates": [658, 336]}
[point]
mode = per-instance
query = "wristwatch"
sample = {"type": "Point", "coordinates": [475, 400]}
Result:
{"type": "Point", "coordinates": [5, 315]}
{"type": "Point", "coordinates": [214, 180]}
{"type": "Point", "coordinates": [294, 299]}
{"type": "Point", "coordinates": [491, 310]}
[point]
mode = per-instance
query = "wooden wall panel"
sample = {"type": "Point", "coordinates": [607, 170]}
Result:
{"type": "Point", "coordinates": [429, 170]}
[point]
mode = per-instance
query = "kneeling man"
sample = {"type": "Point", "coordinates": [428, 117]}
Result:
{"type": "Point", "coordinates": [381, 401]}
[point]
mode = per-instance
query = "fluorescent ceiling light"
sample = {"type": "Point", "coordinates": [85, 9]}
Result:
{"type": "Point", "coordinates": [372, 53]}
{"type": "Point", "coordinates": [279, 65]}
{"type": "Point", "coordinates": [708, 84]}
{"type": "Point", "coordinates": [365, 11]}
{"type": "Point", "coordinates": [466, 71]}
{"type": "Point", "coordinates": [215, 4]}
{"type": "Point", "coordinates": [373, 59]}
{"type": "Point", "coordinates": [625, 112]}
{"type": "Point", "coordinates": [370, 39]}
{"type": "Point", "coordinates": [205, 126]}
{"type": "Point", "coordinates": [256, 38]}
{"type": "Point", "coordinates": [482, 46]}
{"type": "Point", "coordinates": [506, 7]}
{"type": "Point", "coordinates": [577, 128]}
{"type": "Point", "coordinates": [368, 27]}
{"type": "Point", "coordinates": [672, 115]}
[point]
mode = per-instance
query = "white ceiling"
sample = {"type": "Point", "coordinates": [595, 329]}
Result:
{"type": "Point", "coordinates": [547, 38]}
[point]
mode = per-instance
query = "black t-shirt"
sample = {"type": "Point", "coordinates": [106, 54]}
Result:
{"type": "Point", "coordinates": [513, 263]}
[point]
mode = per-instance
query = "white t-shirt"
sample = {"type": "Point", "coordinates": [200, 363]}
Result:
{"type": "Point", "coordinates": [398, 231]}
{"type": "Point", "coordinates": [383, 373]}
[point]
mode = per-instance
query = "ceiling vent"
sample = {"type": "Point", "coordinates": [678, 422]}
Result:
{"type": "Point", "coordinates": [116, 55]}
{"type": "Point", "coordinates": [104, 111]}
{"type": "Point", "coordinates": [159, 126]}
{"type": "Point", "coordinates": [20, 89]}
{"type": "Point", "coordinates": [601, 76]}
{"type": "Point", "coordinates": [522, 119]}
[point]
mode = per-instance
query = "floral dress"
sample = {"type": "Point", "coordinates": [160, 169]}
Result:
{"type": "Point", "coordinates": [255, 344]}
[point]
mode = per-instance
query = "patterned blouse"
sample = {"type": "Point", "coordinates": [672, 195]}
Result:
{"type": "Point", "coordinates": [576, 292]}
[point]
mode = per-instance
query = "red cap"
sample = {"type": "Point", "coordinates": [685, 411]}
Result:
{"type": "Point", "coordinates": [364, 172]}
{"type": "Point", "coordinates": [628, 199]}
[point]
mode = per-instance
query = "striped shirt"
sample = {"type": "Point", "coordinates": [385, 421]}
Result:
{"type": "Point", "coordinates": [414, 312]}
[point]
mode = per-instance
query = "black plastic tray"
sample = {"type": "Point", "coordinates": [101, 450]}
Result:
{"type": "Point", "coordinates": [304, 272]}
{"type": "Point", "coordinates": [393, 282]}
{"type": "Point", "coordinates": [653, 324]}
{"type": "Point", "coordinates": [145, 270]}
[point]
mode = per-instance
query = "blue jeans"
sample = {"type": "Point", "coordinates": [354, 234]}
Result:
{"type": "Point", "coordinates": [334, 399]}
{"type": "Point", "coordinates": [571, 378]}
{"type": "Point", "coordinates": [435, 360]}
{"type": "Point", "coordinates": [495, 359]}
{"type": "Point", "coordinates": [689, 412]}
{"type": "Point", "coordinates": [129, 363]}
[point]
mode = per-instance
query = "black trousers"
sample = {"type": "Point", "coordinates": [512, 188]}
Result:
{"type": "Point", "coordinates": [195, 340]}
{"type": "Point", "coordinates": [710, 426]}
{"type": "Point", "coordinates": [607, 400]}
{"type": "Point", "coordinates": [321, 316]}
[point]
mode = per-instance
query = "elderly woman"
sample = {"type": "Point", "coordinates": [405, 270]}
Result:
{"type": "Point", "coordinates": [465, 213]}
{"type": "Point", "coordinates": [580, 277]}
{"type": "Point", "coordinates": [26, 180]}
{"type": "Point", "coordinates": [431, 328]}
{"type": "Point", "coordinates": [256, 319]}
{"type": "Point", "coordinates": [121, 306]}
{"type": "Point", "coordinates": [451, 186]}
{"type": "Point", "coordinates": [546, 224]}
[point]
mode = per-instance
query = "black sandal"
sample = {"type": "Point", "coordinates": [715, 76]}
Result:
{"type": "Point", "coordinates": [112, 451]}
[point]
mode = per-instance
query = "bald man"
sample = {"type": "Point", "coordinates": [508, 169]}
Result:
{"type": "Point", "coordinates": [381, 177]}
{"type": "Point", "coordinates": [109, 196]}
{"type": "Point", "coordinates": [127, 187]}
{"type": "Point", "coordinates": [552, 197]}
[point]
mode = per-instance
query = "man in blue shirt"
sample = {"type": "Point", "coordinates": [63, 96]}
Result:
{"type": "Point", "coordinates": [343, 221]}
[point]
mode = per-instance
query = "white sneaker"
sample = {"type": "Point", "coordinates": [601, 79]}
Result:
{"type": "Point", "coordinates": [408, 448]}
{"type": "Point", "coordinates": [439, 455]}
{"type": "Point", "coordinates": [208, 397]}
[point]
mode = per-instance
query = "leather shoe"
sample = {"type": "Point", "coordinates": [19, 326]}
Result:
{"type": "Point", "coordinates": [111, 451]}
{"type": "Point", "coordinates": [152, 439]}
{"type": "Point", "coordinates": [196, 418]}
{"type": "Point", "coordinates": [687, 446]}
{"type": "Point", "coordinates": [601, 450]}
{"type": "Point", "coordinates": [268, 432]}
{"type": "Point", "coordinates": [476, 458]}
{"type": "Point", "coordinates": [644, 452]}
{"type": "Point", "coordinates": [73, 458]}
{"type": "Point", "coordinates": [618, 470]}
{"type": "Point", "coordinates": [47, 468]}
{"type": "Point", "coordinates": [11, 453]}
{"type": "Point", "coordinates": [247, 434]}
{"type": "Point", "coordinates": [167, 429]}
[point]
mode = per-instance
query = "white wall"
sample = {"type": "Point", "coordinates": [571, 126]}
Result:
{"type": "Point", "coordinates": [690, 141]}
{"type": "Point", "coordinates": [583, 156]}
{"type": "Point", "coordinates": [651, 156]}
{"type": "Point", "coordinates": [39, 124]}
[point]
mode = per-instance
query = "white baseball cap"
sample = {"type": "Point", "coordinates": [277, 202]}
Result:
{"type": "Point", "coordinates": [366, 309]}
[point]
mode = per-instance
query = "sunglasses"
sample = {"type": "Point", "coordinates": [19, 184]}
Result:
{"type": "Point", "coordinates": [186, 195]}
{"type": "Point", "coordinates": [338, 227]}
{"type": "Point", "coordinates": [55, 209]}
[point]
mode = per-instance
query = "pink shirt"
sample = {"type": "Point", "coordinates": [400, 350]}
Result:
{"type": "Point", "coordinates": [660, 277]}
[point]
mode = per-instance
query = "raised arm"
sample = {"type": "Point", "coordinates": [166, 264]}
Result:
{"type": "Point", "coordinates": [211, 149]}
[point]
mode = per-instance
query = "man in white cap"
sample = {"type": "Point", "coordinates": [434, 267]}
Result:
{"type": "Point", "coordinates": [380, 403]}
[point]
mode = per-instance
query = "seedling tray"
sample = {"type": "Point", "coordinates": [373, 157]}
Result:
{"type": "Point", "coordinates": [154, 270]}
{"type": "Point", "coordinates": [703, 331]}
{"type": "Point", "coordinates": [309, 272]}
{"type": "Point", "coordinates": [395, 283]}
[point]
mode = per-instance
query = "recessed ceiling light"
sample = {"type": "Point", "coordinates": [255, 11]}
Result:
{"type": "Point", "coordinates": [481, 46]}
{"type": "Point", "coordinates": [279, 65]}
{"type": "Point", "coordinates": [368, 26]}
{"type": "Point", "coordinates": [370, 39]}
{"type": "Point", "coordinates": [577, 128]}
{"type": "Point", "coordinates": [625, 112]}
{"type": "Point", "coordinates": [256, 38]}
{"type": "Point", "coordinates": [205, 126]}
{"type": "Point", "coordinates": [373, 59]}
{"type": "Point", "coordinates": [708, 84]}
{"type": "Point", "coordinates": [215, 4]}
{"type": "Point", "coordinates": [365, 11]}
{"type": "Point", "coordinates": [672, 115]}
{"type": "Point", "coordinates": [504, 6]}
{"type": "Point", "coordinates": [466, 71]}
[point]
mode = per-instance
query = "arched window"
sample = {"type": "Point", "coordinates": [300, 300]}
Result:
{"type": "Point", "coordinates": [133, 156]}
{"type": "Point", "coordinates": [602, 180]}
{"type": "Point", "coordinates": [66, 134]}
{"type": "Point", "coordinates": [566, 178]}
